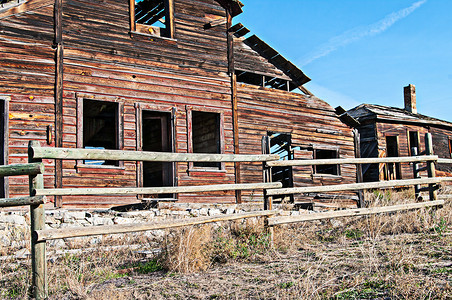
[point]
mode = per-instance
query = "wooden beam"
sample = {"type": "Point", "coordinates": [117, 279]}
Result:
{"type": "Point", "coordinates": [96, 154]}
{"type": "Point", "coordinates": [21, 201]}
{"type": "Point", "coordinates": [359, 167]}
{"type": "Point", "coordinates": [59, 56]}
{"type": "Point", "coordinates": [53, 234]}
{"type": "Point", "coordinates": [38, 288]}
{"type": "Point", "coordinates": [444, 161]}
{"type": "Point", "coordinates": [156, 190]}
{"type": "Point", "coordinates": [342, 161]}
{"type": "Point", "coordinates": [433, 194]}
{"type": "Point", "coordinates": [352, 212]}
{"type": "Point", "coordinates": [353, 186]}
{"type": "Point", "coordinates": [22, 169]}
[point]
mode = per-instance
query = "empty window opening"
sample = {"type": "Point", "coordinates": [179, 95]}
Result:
{"type": "Point", "coordinates": [413, 141]}
{"type": "Point", "coordinates": [152, 17]}
{"type": "Point", "coordinates": [264, 81]}
{"type": "Point", "coordinates": [326, 169]}
{"type": "Point", "coordinates": [450, 148]}
{"type": "Point", "coordinates": [157, 137]}
{"type": "Point", "coordinates": [206, 136]}
{"type": "Point", "coordinates": [100, 128]}
{"type": "Point", "coordinates": [393, 170]}
{"type": "Point", "coordinates": [3, 133]}
{"type": "Point", "coordinates": [280, 143]}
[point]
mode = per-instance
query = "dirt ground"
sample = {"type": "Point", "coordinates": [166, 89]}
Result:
{"type": "Point", "coordinates": [407, 266]}
{"type": "Point", "coordinates": [405, 255]}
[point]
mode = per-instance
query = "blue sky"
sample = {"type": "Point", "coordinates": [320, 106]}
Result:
{"type": "Point", "coordinates": [363, 51]}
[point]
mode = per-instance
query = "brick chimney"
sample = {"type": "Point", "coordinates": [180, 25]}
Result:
{"type": "Point", "coordinates": [409, 94]}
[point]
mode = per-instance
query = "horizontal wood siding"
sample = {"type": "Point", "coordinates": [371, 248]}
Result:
{"type": "Point", "coordinates": [311, 122]}
{"type": "Point", "coordinates": [402, 132]}
{"type": "Point", "coordinates": [27, 71]}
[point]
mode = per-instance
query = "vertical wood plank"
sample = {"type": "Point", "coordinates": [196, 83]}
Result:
{"type": "Point", "coordinates": [58, 15]}
{"type": "Point", "coordinates": [132, 15]}
{"type": "Point", "coordinates": [37, 220]}
{"type": "Point", "coordinates": [359, 167]}
{"type": "Point", "coordinates": [433, 194]}
{"type": "Point", "coordinates": [417, 188]}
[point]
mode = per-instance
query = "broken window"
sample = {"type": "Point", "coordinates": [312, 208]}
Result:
{"type": "Point", "coordinates": [206, 136]}
{"type": "Point", "coordinates": [332, 169]}
{"type": "Point", "coordinates": [264, 81]}
{"type": "Point", "coordinates": [100, 128]}
{"type": "Point", "coordinates": [280, 143]}
{"type": "Point", "coordinates": [152, 17]}
{"type": "Point", "coordinates": [413, 141]}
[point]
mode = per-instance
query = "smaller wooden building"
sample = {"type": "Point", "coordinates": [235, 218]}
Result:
{"type": "Point", "coordinates": [391, 132]}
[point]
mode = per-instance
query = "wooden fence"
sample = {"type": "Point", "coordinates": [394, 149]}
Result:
{"type": "Point", "coordinates": [37, 194]}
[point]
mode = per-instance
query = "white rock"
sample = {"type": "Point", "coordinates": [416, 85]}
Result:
{"type": "Point", "coordinates": [22, 253]}
{"type": "Point", "coordinates": [102, 221]}
{"type": "Point", "coordinates": [214, 212]}
{"type": "Point", "coordinates": [120, 220]}
{"type": "Point", "coordinates": [12, 219]}
{"type": "Point", "coordinates": [203, 211]}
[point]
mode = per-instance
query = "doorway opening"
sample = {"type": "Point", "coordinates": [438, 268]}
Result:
{"type": "Point", "coordinates": [157, 137]}
{"type": "Point", "coordinates": [393, 170]}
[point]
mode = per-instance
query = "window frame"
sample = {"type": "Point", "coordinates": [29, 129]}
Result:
{"type": "Point", "coordinates": [6, 100]}
{"type": "Point", "coordinates": [418, 141]}
{"type": "Point", "coordinates": [338, 166]}
{"type": "Point", "coordinates": [190, 109]}
{"type": "Point", "coordinates": [80, 165]}
{"type": "Point", "coordinates": [146, 29]}
{"type": "Point", "coordinates": [450, 147]}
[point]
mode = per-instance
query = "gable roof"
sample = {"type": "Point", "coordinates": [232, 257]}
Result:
{"type": "Point", "coordinates": [366, 112]}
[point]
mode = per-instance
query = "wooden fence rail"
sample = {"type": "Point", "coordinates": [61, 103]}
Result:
{"type": "Point", "coordinates": [353, 186]}
{"type": "Point", "coordinates": [52, 234]}
{"type": "Point", "coordinates": [21, 169]}
{"type": "Point", "coordinates": [22, 201]}
{"type": "Point", "coordinates": [96, 154]}
{"type": "Point", "coordinates": [352, 212]}
{"type": "Point", "coordinates": [156, 190]}
{"type": "Point", "coordinates": [341, 161]}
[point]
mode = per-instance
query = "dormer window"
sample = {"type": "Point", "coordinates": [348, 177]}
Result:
{"type": "Point", "coordinates": [153, 17]}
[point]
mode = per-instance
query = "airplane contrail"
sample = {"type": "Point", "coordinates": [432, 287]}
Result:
{"type": "Point", "coordinates": [360, 32]}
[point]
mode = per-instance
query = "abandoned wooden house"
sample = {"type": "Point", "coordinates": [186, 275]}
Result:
{"type": "Point", "coordinates": [392, 132]}
{"type": "Point", "coordinates": [157, 75]}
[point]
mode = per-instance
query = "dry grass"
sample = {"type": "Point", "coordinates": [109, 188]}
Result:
{"type": "Point", "coordinates": [405, 255]}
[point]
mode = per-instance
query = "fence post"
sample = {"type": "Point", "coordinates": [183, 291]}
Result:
{"type": "Point", "coordinates": [38, 289]}
{"type": "Point", "coordinates": [359, 167]}
{"type": "Point", "coordinates": [430, 166]}
{"type": "Point", "coordinates": [267, 176]}
{"type": "Point", "coordinates": [417, 187]}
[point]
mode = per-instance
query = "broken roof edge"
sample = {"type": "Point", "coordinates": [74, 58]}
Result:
{"type": "Point", "coordinates": [235, 6]}
{"type": "Point", "coordinates": [414, 118]}
{"type": "Point", "coordinates": [274, 57]}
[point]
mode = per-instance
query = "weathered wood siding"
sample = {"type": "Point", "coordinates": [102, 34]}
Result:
{"type": "Point", "coordinates": [311, 122]}
{"type": "Point", "coordinates": [402, 132]}
{"type": "Point", "coordinates": [27, 78]}
{"type": "Point", "coordinates": [441, 138]}
{"type": "Point", "coordinates": [103, 61]}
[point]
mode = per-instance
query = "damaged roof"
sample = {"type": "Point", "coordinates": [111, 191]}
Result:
{"type": "Point", "coordinates": [365, 112]}
{"type": "Point", "coordinates": [245, 59]}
